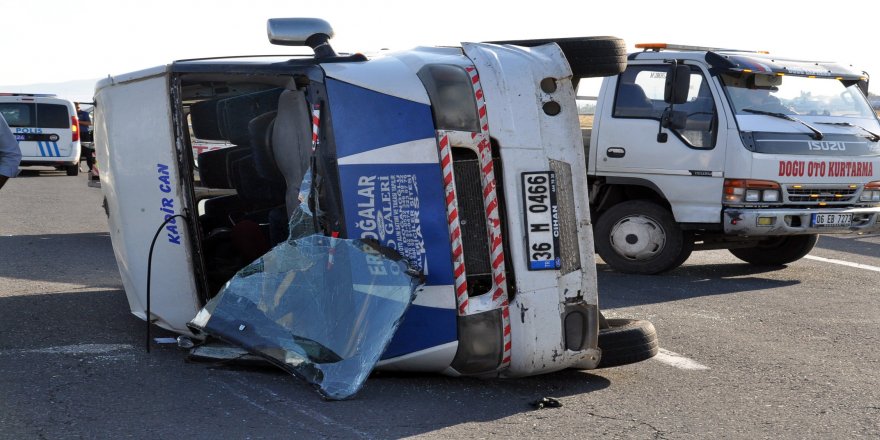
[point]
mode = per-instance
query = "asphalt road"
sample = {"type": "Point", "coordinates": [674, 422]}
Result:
{"type": "Point", "coordinates": [747, 353]}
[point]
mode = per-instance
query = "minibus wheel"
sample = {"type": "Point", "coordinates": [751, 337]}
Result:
{"type": "Point", "coordinates": [589, 57]}
{"type": "Point", "coordinates": [72, 170]}
{"type": "Point", "coordinates": [627, 341]}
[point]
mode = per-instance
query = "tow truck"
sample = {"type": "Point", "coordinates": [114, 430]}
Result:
{"type": "Point", "coordinates": [697, 148]}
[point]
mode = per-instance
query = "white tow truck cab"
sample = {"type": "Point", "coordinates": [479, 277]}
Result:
{"type": "Point", "coordinates": [466, 160]}
{"type": "Point", "coordinates": [700, 148]}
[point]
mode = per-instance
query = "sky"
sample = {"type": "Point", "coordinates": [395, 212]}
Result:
{"type": "Point", "coordinates": [53, 41]}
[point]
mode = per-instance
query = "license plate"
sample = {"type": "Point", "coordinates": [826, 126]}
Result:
{"type": "Point", "coordinates": [831, 220]}
{"type": "Point", "coordinates": [542, 220]}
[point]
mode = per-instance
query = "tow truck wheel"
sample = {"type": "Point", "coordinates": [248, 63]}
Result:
{"type": "Point", "coordinates": [627, 341]}
{"type": "Point", "coordinates": [778, 251]}
{"type": "Point", "coordinates": [72, 170]}
{"type": "Point", "coordinates": [640, 236]}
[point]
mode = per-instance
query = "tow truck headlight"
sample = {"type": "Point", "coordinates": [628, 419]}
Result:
{"type": "Point", "coordinates": [750, 191]}
{"type": "Point", "coordinates": [871, 192]}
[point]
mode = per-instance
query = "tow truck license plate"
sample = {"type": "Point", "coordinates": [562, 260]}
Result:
{"type": "Point", "coordinates": [831, 220]}
{"type": "Point", "coordinates": [542, 220]}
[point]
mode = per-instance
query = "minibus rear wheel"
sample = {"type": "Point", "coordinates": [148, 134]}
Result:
{"type": "Point", "coordinates": [627, 341]}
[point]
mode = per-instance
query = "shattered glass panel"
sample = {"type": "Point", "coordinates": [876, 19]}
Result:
{"type": "Point", "coordinates": [322, 308]}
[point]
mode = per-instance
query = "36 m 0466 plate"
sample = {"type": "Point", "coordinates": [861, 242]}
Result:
{"type": "Point", "coordinates": [542, 220]}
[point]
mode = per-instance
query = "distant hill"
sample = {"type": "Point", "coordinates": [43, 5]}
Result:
{"type": "Point", "coordinates": [81, 90]}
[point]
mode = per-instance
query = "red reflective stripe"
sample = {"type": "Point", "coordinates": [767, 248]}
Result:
{"type": "Point", "coordinates": [456, 252]}
{"type": "Point", "coordinates": [498, 260]}
{"type": "Point", "coordinates": [499, 279]}
{"type": "Point", "coordinates": [459, 270]}
{"type": "Point", "coordinates": [492, 206]}
{"type": "Point", "coordinates": [495, 243]}
{"type": "Point", "coordinates": [456, 234]}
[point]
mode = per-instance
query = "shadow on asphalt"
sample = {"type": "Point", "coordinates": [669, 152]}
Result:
{"type": "Point", "coordinates": [40, 171]}
{"type": "Point", "coordinates": [851, 244]}
{"type": "Point", "coordinates": [410, 404]}
{"type": "Point", "coordinates": [68, 318]}
{"type": "Point", "coordinates": [623, 290]}
{"type": "Point", "coordinates": [84, 258]}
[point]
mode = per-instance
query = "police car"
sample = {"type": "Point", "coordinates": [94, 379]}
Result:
{"type": "Point", "coordinates": [46, 128]}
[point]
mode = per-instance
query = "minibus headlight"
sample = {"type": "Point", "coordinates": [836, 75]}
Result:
{"type": "Point", "coordinates": [452, 98]}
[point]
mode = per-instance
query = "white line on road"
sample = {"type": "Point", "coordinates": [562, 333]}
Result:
{"type": "Point", "coordinates": [81, 349]}
{"type": "Point", "coordinates": [678, 361]}
{"type": "Point", "coordinates": [844, 263]}
{"type": "Point", "coordinates": [101, 352]}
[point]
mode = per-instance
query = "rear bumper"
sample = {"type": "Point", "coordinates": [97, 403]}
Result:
{"type": "Point", "coordinates": [797, 221]}
{"type": "Point", "coordinates": [49, 161]}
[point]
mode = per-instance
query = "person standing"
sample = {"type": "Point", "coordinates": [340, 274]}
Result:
{"type": "Point", "coordinates": [10, 153]}
{"type": "Point", "coordinates": [85, 135]}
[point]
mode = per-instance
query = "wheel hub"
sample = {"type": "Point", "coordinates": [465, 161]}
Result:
{"type": "Point", "coordinates": [637, 237]}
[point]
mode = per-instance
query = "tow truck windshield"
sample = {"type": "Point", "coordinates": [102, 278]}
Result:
{"type": "Point", "coordinates": [796, 95]}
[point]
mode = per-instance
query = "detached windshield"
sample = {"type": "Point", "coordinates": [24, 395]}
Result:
{"type": "Point", "coordinates": [795, 95]}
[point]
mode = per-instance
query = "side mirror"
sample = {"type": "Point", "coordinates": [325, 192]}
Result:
{"type": "Point", "coordinates": [313, 32]}
{"type": "Point", "coordinates": [676, 119]}
{"type": "Point", "coordinates": [678, 82]}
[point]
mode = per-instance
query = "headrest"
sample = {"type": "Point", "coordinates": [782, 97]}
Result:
{"type": "Point", "coordinates": [227, 119]}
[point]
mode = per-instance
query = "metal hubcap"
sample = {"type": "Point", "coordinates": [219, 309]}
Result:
{"type": "Point", "coordinates": [637, 237]}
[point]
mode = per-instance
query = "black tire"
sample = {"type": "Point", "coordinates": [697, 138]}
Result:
{"type": "Point", "coordinates": [588, 56]}
{"type": "Point", "coordinates": [627, 341]}
{"type": "Point", "coordinates": [72, 170]}
{"type": "Point", "coordinates": [777, 251]}
{"type": "Point", "coordinates": [641, 237]}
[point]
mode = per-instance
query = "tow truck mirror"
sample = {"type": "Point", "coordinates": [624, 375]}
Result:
{"type": "Point", "coordinates": [678, 81]}
{"type": "Point", "coordinates": [675, 119]}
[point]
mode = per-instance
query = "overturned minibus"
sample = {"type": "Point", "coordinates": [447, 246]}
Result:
{"type": "Point", "coordinates": [466, 161]}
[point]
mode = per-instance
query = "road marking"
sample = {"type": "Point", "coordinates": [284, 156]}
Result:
{"type": "Point", "coordinates": [81, 349]}
{"type": "Point", "coordinates": [281, 402]}
{"type": "Point", "coordinates": [101, 352]}
{"type": "Point", "coordinates": [678, 361]}
{"type": "Point", "coordinates": [844, 263]}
